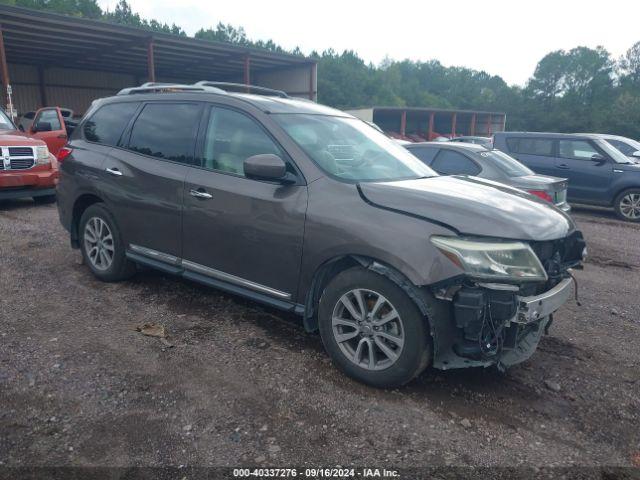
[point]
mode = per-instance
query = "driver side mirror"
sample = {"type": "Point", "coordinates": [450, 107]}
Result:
{"type": "Point", "coordinates": [41, 127]}
{"type": "Point", "coordinates": [636, 154]}
{"type": "Point", "coordinates": [596, 157]}
{"type": "Point", "coordinates": [267, 166]}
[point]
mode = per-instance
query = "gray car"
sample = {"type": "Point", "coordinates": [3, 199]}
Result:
{"type": "Point", "coordinates": [310, 210]}
{"type": "Point", "coordinates": [476, 160]}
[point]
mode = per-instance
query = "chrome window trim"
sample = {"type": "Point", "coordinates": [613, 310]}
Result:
{"type": "Point", "coordinates": [209, 272]}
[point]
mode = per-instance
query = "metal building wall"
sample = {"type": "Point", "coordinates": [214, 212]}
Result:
{"type": "Point", "coordinates": [296, 81]}
{"type": "Point", "coordinates": [70, 88]}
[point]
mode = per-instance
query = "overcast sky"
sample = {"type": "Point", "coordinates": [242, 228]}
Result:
{"type": "Point", "coordinates": [505, 38]}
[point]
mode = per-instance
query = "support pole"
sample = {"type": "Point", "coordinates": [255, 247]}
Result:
{"type": "Point", "coordinates": [489, 125]}
{"type": "Point", "coordinates": [42, 87]}
{"type": "Point", "coordinates": [312, 81]}
{"type": "Point", "coordinates": [472, 129]}
{"type": "Point", "coordinates": [151, 66]}
{"type": "Point", "coordinates": [247, 71]}
{"type": "Point", "coordinates": [403, 123]}
{"type": "Point", "coordinates": [431, 122]}
{"type": "Point", "coordinates": [6, 83]}
{"type": "Point", "coordinates": [454, 120]}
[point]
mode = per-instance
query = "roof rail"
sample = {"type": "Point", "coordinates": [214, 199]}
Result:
{"type": "Point", "coordinates": [243, 87]}
{"type": "Point", "coordinates": [155, 87]}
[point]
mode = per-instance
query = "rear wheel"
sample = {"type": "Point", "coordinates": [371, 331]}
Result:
{"type": "Point", "coordinates": [627, 205]}
{"type": "Point", "coordinates": [102, 247]}
{"type": "Point", "coordinates": [372, 330]}
{"type": "Point", "coordinates": [45, 199]}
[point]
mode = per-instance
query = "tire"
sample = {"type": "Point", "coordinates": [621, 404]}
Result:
{"type": "Point", "coordinates": [627, 205]}
{"type": "Point", "coordinates": [411, 357]}
{"type": "Point", "coordinates": [45, 199]}
{"type": "Point", "coordinates": [119, 267]}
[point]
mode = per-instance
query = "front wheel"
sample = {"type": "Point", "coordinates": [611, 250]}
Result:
{"type": "Point", "coordinates": [372, 330]}
{"type": "Point", "coordinates": [627, 205]}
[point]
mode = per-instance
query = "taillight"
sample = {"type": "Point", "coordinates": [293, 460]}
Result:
{"type": "Point", "coordinates": [541, 194]}
{"type": "Point", "coordinates": [63, 153]}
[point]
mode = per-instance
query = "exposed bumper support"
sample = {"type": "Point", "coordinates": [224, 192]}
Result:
{"type": "Point", "coordinates": [531, 309]}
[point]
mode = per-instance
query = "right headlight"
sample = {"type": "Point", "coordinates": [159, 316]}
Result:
{"type": "Point", "coordinates": [492, 260]}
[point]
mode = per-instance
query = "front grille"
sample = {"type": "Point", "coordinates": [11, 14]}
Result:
{"type": "Point", "coordinates": [21, 163]}
{"type": "Point", "coordinates": [558, 255]}
{"type": "Point", "coordinates": [20, 152]}
{"type": "Point", "coordinates": [17, 158]}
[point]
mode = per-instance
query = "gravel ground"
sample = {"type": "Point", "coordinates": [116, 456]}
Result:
{"type": "Point", "coordinates": [246, 386]}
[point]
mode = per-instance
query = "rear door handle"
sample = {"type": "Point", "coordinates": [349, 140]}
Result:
{"type": "Point", "coordinates": [62, 135]}
{"type": "Point", "coordinates": [200, 193]}
{"type": "Point", "coordinates": [114, 171]}
{"type": "Point", "coordinates": [564, 166]}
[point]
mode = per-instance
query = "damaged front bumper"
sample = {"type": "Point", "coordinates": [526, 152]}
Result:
{"type": "Point", "coordinates": [531, 309]}
{"type": "Point", "coordinates": [489, 325]}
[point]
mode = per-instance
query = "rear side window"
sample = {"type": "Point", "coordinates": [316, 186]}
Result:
{"type": "Point", "coordinates": [576, 149]}
{"type": "Point", "coordinates": [231, 138]}
{"type": "Point", "coordinates": [167, 131]}
{"type": "Point", "coordinates": [448, 162]}
{"type": "Point", "coordinates": [531, 146]}
{"type": "Point", "coordinates": [107, 124]}
{"type": "Point", "coordinates": [426, 154]}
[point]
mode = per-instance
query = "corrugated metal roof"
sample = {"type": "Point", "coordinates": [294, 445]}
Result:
{"type": "Point", "coordinates": [36, 37]}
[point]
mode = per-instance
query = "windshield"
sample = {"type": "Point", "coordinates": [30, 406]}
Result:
{"type": "Point", "coordinates": [351, 150]}
{"type": "Point", "coordinates": [503, 162]}
{"type": "Point", "coordinates": [627, 146]}
{"type": "Point", "coordinates": [5, 122]}
{"type": "Point", "coordinates": [613, 152]}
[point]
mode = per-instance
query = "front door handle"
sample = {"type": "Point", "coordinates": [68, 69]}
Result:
{"type": "Point", "coordinates": [564, 166]}
{"type": "Point", "coordinates": [62, 135]}
{"type": "Point", "coordinates": [200, 193]}
{"type": "Point", "coordinates": [114, 171]}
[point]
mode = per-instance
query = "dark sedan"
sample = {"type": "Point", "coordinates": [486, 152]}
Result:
{"type": "Point", "coordinates": [476, 160]}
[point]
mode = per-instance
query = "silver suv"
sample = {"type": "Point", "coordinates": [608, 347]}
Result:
{"type": "Point", "coordinates": [311, 210]}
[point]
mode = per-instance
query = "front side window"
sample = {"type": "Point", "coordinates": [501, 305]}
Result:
{"type": "Point", "coordinates": [167, 131]}
{"type": "Point", "coordinates": [576, 149]}
{"type": "Point", "coordinates": [232, 137]}
{"type": "Point", "coordinates": [108, 122]}
{"type": "Point", "coordinates": [350, 150]}
{"type": "Point", "coordinates": [449, 162]}
{"type": "Point", "coordinates": [51, 117]}
{"type": "Point", "coordinates": [531, 146]}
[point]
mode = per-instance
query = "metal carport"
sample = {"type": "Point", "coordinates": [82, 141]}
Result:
{"type": "Point", "coordinates": [52, 59]}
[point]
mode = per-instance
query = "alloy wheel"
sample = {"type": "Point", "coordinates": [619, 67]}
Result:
{"type": "Point", "coordinates": [98, 241]}
{"type": "Point", "coordinates": [630, 206]}
{"type": "Point", "coordinates": [368, 329]}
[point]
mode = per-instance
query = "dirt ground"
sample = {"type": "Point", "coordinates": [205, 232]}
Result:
{"type": "Point", "coordinates": [246, 386]}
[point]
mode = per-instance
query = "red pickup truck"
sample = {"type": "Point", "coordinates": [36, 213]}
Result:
{"type": "Point", "coordinates": [28, 167]}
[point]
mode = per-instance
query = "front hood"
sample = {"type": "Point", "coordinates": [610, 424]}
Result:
{"type": "Point", "coordinates": [472, 206]}
{"type": "Point", "coordinates": [18, 138]}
